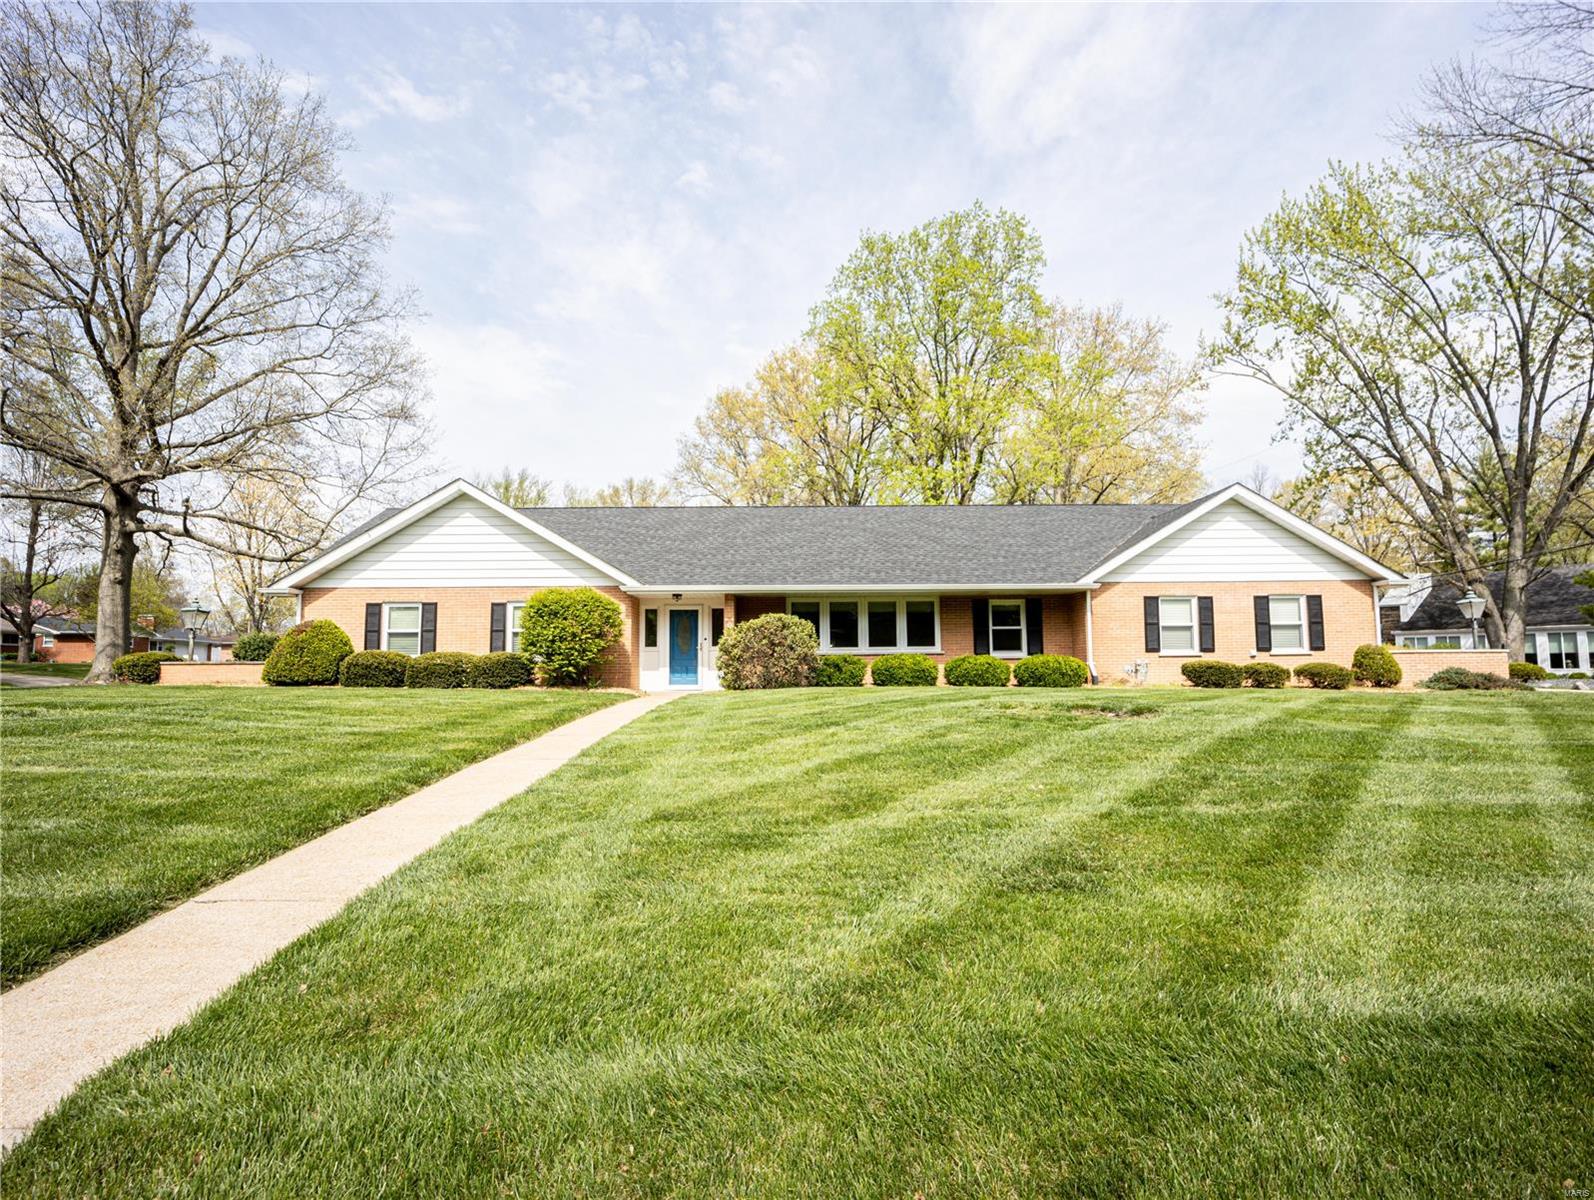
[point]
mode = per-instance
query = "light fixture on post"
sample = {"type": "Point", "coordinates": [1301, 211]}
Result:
{"type": "Point", "coordinates": [193, 616]}
{"type": "Point", "coordinates": [1471, 606]}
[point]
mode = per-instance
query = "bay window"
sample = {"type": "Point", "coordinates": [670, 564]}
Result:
{"type": "Point", "coordinates": [872, 624]}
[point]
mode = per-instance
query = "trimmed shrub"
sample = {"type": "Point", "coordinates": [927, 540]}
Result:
{"type": "Point", "coordinates": [1265, 674]}
{"type": "Point", "coordinates": [1375, 665]}
{"type": "Point", "coordinates": [978, 670]}
{"type": "Point", "coordinates": [373, 668]}
{"type": "Point", "coordinates": [567, 633]}
{"type": "Point", "coordinates": [144, 667]}
{"type": "Point", "coordinates": [1459, 679]}
{"type": "Point", "coordinates": [307, 655]}
{"type": "Point", "coordinates": [1050, 670]}
{"type": "Point", "coordinates": [904, 670]}
{"type": "Point", "coordinates": [500, 669]}
{"type": "Point", "coordinates": [772, 651]}
{"type": "Point", "coordinates": [255, 647]}
{"type": "Point", "coordinates": [840, 670]}
{"type": "Point", "coordinates": [1527, 671]}
{"type": "Point", "coordinates": [439, 669]}
{"type": "Point", "coordinates": [1213, 673]}
{"type": "Point", "coordinates": [1576, 675]}
{"type": "Point", "coordinates": [1326, 675]}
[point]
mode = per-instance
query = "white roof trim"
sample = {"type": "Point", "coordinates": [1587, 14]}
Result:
{"type": "Point", "coordinates": [449, 491]}
{"type": "Point", "coordinates": [1275, 513]}
{"type": "Point", "coordinates": [843, 590]}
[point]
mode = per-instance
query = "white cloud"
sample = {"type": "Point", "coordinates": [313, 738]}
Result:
{"type": "Point", "coordinates": [491, 377]}
{"type": "Point", "coordinates": [727, 97]}
{"type": "Point", "coordinates": [392, 93]}
{"type": "Point", "coordinates": [565, 177]}
{"type": "Point", "coordinates": [1031, 76]}
{"type": "Point", "coordinates": [227, 45]}
{"type": "Point", "coordinates": [438, 213]}
{"type": "Point", "coordinates": [695, 178]}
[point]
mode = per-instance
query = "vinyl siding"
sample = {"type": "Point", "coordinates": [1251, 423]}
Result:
{"type": "Point", "coordinates": [1233, 543]}
{"type": "Point", "coordinates": [463, 544]}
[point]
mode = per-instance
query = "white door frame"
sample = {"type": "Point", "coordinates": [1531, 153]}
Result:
{"type": "Point", "coordinates": [703, 635]}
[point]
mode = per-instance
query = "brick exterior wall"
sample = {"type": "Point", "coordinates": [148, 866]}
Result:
{"type": "Point", "coordinates": [1118, 617]}
{"type": "Point", "coordinates": [78, 649]}
{"type": "Point", "coordinates": [1062, 622]}
{"type": "Point", "coordinates": [1417, 665]}
{"type": "Point", "coordinates": [464, 619]}
{"type": "Point", "coordinates": [233, 674]}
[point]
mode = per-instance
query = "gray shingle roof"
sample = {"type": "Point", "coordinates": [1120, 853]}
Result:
{"type": "Point", "coordinates": [1553, 599]}
{"type": "Point", "coordinates": [891, 546]}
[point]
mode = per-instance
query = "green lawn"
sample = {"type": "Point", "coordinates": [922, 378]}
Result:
{"type": "Point", "coordinates": [54, 670]}
{"type": "Point", "coordinates": [121, 801]}
{"type": "Point", "coordinates": [835, 944]}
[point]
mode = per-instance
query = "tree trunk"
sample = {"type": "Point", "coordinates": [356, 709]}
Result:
{"type": "Point", "coordinates": [1514, 608]}
{"type": "Point", "coordinates": [24, 642]}
{"type": "Point", "coordinates": [113, 616]}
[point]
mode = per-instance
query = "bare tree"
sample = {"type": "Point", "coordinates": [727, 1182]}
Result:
{"type": "Point", "coordinates": [518, 489]}
{"type": "Point", "coordinates": [191, 294]}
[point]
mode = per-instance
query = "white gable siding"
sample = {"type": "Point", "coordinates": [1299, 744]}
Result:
{"type": "Point", "coordinates": [1232, 543]}
{"type": "Point", "coordinates": [462, 544]}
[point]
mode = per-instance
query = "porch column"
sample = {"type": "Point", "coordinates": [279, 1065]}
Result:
{"type": "Point", "coordinates": [1090, 640]}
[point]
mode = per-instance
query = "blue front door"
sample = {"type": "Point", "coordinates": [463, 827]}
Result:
{"type": "Point", "coordinates": [683, 646]}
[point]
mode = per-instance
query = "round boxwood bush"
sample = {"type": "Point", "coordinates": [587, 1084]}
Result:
{"type": "Point", "coordinates": [568, 632]}
{"type": "Point", "coordinates": [978, 670]}
{"type": "Point", "coordinates": [772, 651]}
{"type": "Point", "coordinates": [1213, 673]}
{"type": "Point", "coordinates": [144, 667]}
{"type": "Point", "coordinates": [1326, 675]}
{"type": "Point", "coordinates": [255, 647]}
{"type": "Point", "coordinates": [1266, 674]}
{"type": "Point", "coordinates": [1374, 664]}
{"type": "Point", "coordinates": [1529, 672]}
{"type": "Point", "coordinates": [840, 670]}
{"type": "Point", "coordinates": [1050, 670]}
{"type": "Point", "coordinates": [499, 670]}
{"type": "Point", "coordinates": [904, 670]}
{"type": "Point", "coordinates": [439, 669]}
{"type": "Point", "coordinates": [373, 668]}
{"type": "Point", "coordinates": [307, 655]}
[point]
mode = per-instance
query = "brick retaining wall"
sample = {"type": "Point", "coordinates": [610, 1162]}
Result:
{"type": "Point", "coordinates": [1417, 665]}
{"type": "Point", "coordinates": [234, 674]}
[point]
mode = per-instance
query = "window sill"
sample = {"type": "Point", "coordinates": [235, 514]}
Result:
{"type": "Point", "coordinates": [1289, 653]}
{"type": "Point", "coordinates": [876, 652]}
{"type": "Point", "coordinates": [1179, 654]}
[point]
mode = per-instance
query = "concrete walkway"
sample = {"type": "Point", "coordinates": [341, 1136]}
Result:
{"type": "Point", "coordinates": [11, 679]}
{"type": "Point", "coordinates": [60, 1028]}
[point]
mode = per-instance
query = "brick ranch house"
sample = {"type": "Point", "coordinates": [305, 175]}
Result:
{"type": "Point", "coordinates": [1134, 590]}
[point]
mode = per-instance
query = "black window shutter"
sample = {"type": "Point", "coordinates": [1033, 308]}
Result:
{"type": "Point", "coordinates": [1209, 637]}
{"type": "Point", "coordinates": [1264, 628]}
{"type": "Point", "coordinates": [496, 636]}
{"type": "Point", "coordinates": [428, 628]}
{"type": "Point", "coordinates": [373, 626]}
{"type": "Point", "coordinates": [982, 626]}
{"type": "Point", "coordinates": [1034, 625]}
{"type": "Point", "coordinates": [1153, 627]}
{"type": "Point", "coordinates": [1314, 622]}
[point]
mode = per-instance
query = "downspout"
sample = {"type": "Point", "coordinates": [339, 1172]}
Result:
{"type": "Point", "coordinates": [1090, 641]}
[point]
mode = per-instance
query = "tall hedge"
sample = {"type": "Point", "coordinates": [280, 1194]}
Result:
{"type": "Point", "coordinates": [772, 651]}
{"type": "Point", "coordinates": [568, 633]}
{"type": "Point", "coordinates": [307, 655]}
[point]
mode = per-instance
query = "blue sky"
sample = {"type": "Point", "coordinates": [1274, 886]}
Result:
{"type": "Point", "coordinates": [610, 212]}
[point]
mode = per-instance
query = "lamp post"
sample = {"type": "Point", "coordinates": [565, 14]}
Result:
{"type": "Point", "coordinates": [1471, 606]}
{"type": "Point", "coordinates": [193, 620]}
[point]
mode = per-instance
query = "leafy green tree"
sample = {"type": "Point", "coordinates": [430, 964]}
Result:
{"type": "Point", "coordinates": [1408, 315]}
{"type": "Point", "coordinates": [941, 331]}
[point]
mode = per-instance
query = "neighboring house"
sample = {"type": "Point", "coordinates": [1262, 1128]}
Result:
{"type": "Point", "coordinates": [208, 647]}
{"type": "Point", "coordinates": [1134, 590]}
{"type": "Point", "coordinates": [60, 639]}
{"type": "Point", "coordinates": [1560, 637]}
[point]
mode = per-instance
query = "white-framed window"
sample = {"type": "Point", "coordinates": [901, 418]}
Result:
{"type": "Point", "coordinates": [1286, 618]}
{"type": "Point", "coordinates": [401, 628]}
{"type": "Point", "coordinates": [1176, 620]}
{"type": "Point", "coordinates": [1561, 649]}
{"type": "Point", "coordinates": [512, 627]}
{"type": "Point", "coordinates": [1007, 628]}
{"type": "Point", "coordinates": [1431, 641]}
{"type": "Point", "coordinates": [872, 624]}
